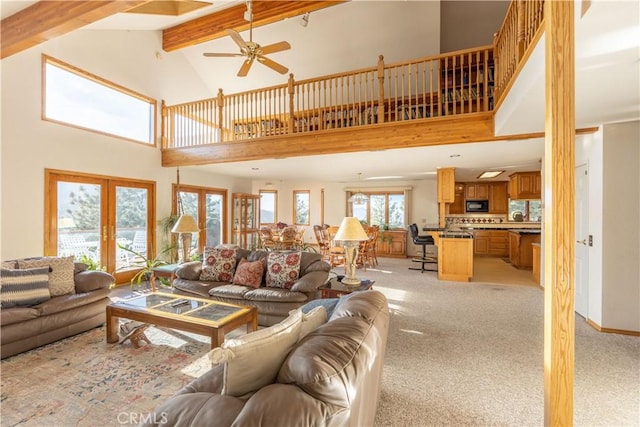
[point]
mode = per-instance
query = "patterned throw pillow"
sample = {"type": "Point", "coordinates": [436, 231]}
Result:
{"type": "Point", "coordinates": [60, 273]}
{"type": "Point", "coordinates": [219, 264]}
{"type": "Point", "coordinates": [283, 269]}
{"type": "Point", "coordinates": [24, 287]}
{"type": "Point", "coordinates": [249, 273]}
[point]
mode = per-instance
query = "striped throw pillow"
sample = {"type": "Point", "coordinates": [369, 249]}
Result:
{"type": "Point", "coordinates": [24, 287]}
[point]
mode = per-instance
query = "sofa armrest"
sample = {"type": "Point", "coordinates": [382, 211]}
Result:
{"type": "Point", "coordinates": [311, 281]}
{"type": "Point", "coordinates": [209, 382]}
{"type": "Point", "coordinates": [189, 270]}
{"type": "Point", "coordinates": [91, 280]}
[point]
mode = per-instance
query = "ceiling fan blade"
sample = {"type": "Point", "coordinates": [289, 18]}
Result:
{"type": "Point", "coordinates": [222, 55]}
{"type": "Point", "coordinates": [237, 38]}
{"type": "Point", "coordinates": [276, 47]}
{"type": "Point", "coordinates": [272, 64]}
{"type": "Point", "coordinates": [246, 64]}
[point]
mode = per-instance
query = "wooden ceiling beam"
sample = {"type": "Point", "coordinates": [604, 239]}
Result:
{"type": "Point", "coordinates": [46, 20]}
{"type": "Point", "coordinates": [213, 26]}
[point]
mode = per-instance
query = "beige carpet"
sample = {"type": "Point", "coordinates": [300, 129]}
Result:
{"type": "Point", "coordinates": [472, 354]}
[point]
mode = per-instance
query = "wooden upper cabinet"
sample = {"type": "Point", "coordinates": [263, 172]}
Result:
{"type": "Point", "coordinates": [446, 185]}
{"type": "Point", "coordinates": [525, 185]}
{"type": "Point", "coordinates": [477, 191]}
{"type": "Point", "coordinates": [457, 207]}
{"type": "Point", "coordinates": [498, 199]}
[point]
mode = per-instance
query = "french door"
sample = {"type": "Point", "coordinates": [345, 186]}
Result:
{"type": "Point", "coordinates": [209, 207]}
{"type": "Point", "coordinates": [104, 221]}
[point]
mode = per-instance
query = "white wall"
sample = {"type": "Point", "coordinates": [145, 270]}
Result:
{"type": "Point", "coordinates": [29, 144]}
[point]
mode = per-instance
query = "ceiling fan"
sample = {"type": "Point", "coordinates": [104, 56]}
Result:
{"type": "Point", "coordinates": [253, 51]}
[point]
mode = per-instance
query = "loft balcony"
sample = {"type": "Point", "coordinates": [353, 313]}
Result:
{"type": "Point", "coordinates": [442, 99]}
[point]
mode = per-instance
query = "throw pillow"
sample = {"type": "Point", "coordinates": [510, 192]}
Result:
{"type": "Point", "coordinates": [311, 320]}
{"type": "Point", "coordinates": [24, 287]}
{"type": "Point", "coordinates": [9, 264]}
{"type": "Point", "coordinates": [283, 269]}
{"type": "Point", "coordinates": [218, 264]}
{"type": "Point", "coordinates": [60, 273]}
{"type": "Point", "coordinates": [253, 360]}
{"type": "Point", "coordinates": [249, 273]}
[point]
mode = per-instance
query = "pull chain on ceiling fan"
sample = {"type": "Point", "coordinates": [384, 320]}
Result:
{"type": "Point", "coordinates": [253, 51]}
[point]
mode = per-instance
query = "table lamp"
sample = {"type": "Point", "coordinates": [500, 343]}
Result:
{"type": "Point", "coordinates": [186, 224]}
{"type": "Point", "coordinates": [350, 233]}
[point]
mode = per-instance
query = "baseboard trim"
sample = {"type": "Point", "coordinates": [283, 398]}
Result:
{"type": "Point", "coordinates": [599, 328]}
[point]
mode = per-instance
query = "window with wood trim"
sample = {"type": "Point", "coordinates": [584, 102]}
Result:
{"type": "Point", "coordinates": [77, 98]}
{"type": "Point", "coordinates": [268, 207]}
{"type": "Point", "coordinates": [301, 207]}
{"type": "Point", "coordinates": [383, 209]}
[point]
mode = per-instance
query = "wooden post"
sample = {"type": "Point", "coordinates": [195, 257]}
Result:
{"type": "Point", "coordinates": [381, 89]}
{"type": "Point", "coordinates": [220, 100]}
{"type": "Point", "coordinates": [163, 124]}
{"type": "Point", "coordinates": [521, 30]}
{"type": "Point", "coordinates": [559, 213]}
{"type": "Point", "coordinates": [291, 103]}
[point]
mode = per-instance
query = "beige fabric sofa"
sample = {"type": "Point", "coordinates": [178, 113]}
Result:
{"type": "Point", "coordinates": [273, 304]}
{"type": "Point", "coordinates": [331, 377]}
{"type": "Point", "coordinates": [24, 328]}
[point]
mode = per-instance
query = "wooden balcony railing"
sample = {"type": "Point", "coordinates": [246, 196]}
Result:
{"type": "Point", "coordinates": [521, 27]}
{"type": "Point", "coordinates": [444, 85]}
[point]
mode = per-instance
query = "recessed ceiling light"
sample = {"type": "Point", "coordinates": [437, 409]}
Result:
{"type": "Point", "coordinates": [453, 156]}
{"type": "Point", "coordinates": [255, 169]}
{"type": "Point", "coordinates": [383, 177]}
{"type": "Point", "coordinates": [489, 174]}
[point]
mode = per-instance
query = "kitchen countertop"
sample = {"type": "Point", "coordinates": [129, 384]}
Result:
{"type": "Point", "coordinates": [448, 233]}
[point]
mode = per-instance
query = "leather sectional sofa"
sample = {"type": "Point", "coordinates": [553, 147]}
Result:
{"type": "Point", "coordinates": [331, 377]}
{"type": "Point", "coordinates": [27, 327]}
{"type": "Point", "coordinates": [273, 303]}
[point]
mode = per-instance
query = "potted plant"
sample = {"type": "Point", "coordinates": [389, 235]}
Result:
{"type": "Point", "coordinates": [146, 265]}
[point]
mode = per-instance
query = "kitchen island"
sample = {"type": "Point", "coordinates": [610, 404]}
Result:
{"type": "Point", "coordinates": [455, 253]}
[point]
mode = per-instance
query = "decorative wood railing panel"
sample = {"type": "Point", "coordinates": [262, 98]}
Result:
{"type": "Point", "coordinates": [444, 85]}
{"type": "Point", "coordinates": [520, 28]}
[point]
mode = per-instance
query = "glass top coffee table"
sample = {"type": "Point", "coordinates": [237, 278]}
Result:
{"type": "Point", "coordinates": [197, 315]}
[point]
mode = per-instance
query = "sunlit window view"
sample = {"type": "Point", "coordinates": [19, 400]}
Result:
{"type": "Point", "coordinates": [383, 209]}
{"type": "Point", "coordinates": [79, 100]}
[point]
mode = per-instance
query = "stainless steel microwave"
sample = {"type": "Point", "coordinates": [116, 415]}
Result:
{"type": "Point", "coordinates": [477, 206]}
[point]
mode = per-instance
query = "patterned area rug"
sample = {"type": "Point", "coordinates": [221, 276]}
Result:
{"type": "Point", "coordinates": [84, 381]}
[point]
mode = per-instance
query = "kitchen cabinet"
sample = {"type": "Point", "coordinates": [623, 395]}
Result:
{"type": "Point", "coordinates": [477, 191]}
{"type": "Point", "coordinates": [498, 199]}
{"type": "Point", "coordinates": [525, 185]}
{"type": "Point", "coordinates": [491, 242]}
{"type": "Point", "coordinates": [446, 185]}
{"type": "Point", "coordinates": [455, 257]}
{"type": "Point", "coordinates": [392, 243]}
{"type": "Point", "coordinates": [244, 220]}
{"type": "Point", "coordinates": [520, 249]}
{"type": "Point", "coordinates": [535, 249]}
{"type": "Point", "coordinates": [457, 207]}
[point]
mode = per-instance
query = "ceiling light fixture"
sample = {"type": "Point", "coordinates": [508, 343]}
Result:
{"type": "Point", "coordinates": [304, 19]}
{"type": "Point", "coordinates": [489, 174]}
{"type": "Point", "coordinates": [359, 198]}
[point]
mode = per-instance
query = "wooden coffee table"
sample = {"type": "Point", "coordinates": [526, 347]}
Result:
{"type": "Point", "coordinates": [197, 315]}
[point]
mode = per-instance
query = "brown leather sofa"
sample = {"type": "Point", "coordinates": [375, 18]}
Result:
{"type": "Point", "coordinates": [25, 328]}
{"type": "Point", "coordinates": [331, 377]}
{"type": "Point", "coordinates": [273, 304]}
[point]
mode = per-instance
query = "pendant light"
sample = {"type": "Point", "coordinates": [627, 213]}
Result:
{"type": "Point", "coordinates": [359, 198]}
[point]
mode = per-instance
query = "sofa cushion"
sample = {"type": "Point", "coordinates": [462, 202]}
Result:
{"type": "Point", "coordinates": [68, 302]}
{"type": "Point", "coordinates": [229, 291]}
{"type": "Point", "coordinates": [249, 273]}
{"type": "Point", "coordinates": [283, 269]}
{"type": "Point", "coordinates": [189, 270]}
{"type": "Point", "coordinates": [17, 315]}
{"type": "Point", "coordinates": [60, 273]}
{"type": "Point", "coordinates": [253, 360]}
{"type": "Point", "coordinates": [311, 281]}
{"type": "Point", "coordinates": [24, 287]}
{"type": "Point", "coordinates": [195, 409]}
{"type": "Point", "coordinates": [92, 280]}
{"type": "Point", "coordinates": [274, 295]}
{"type": "Point", "coordinates": [218, 264]}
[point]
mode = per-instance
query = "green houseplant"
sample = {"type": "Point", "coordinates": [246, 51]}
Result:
{"type": "Point", "coordinates": [145, 264]}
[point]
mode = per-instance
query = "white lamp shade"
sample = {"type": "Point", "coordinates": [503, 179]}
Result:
{"type": "Point", "coordinates": [185, 224]}
{"type": "Point", "coordinates": [350, 229]}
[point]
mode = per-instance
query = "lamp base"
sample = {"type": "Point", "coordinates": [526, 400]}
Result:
{"type": "Point", "coordinates": [186, 246]}
{"type": "Point", "coordinates": [351, 281]}
{"type": "Point", "coordinates": [350, 256]}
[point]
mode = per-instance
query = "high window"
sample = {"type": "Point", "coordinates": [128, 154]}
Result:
{"type": "Point", "coordinates": [77, 98]}
{"type": "Point", "coordinates": [382, 209]}
{"type": "Point", "coordinates": [268, 207]}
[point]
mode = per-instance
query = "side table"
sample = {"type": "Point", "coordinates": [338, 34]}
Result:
{"type": "Point", "coordinates": [167, 271]}
{"type": "Point", "coordinates": [335, 289]}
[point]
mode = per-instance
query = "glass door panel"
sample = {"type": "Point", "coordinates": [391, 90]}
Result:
{"type": "Point", "coordinates": [190, 205]}
{"type": "Point", "coordinates": [79, 221]}
{"type": "Point", "coordinates": [213, 206]}
{"type": "Point", "coordinates": [131, 226]}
